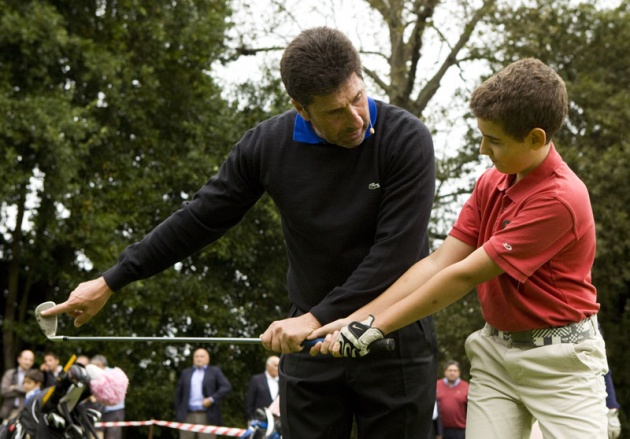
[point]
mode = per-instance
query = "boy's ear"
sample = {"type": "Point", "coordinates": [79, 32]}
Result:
{"type": "Point", "coordinates": [300, 109]}
{"type": "Point", "coordinates": [537, 138]}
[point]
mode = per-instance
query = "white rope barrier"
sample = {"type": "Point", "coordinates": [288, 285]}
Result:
{"type": "Point", "coordinates": [197, 428]}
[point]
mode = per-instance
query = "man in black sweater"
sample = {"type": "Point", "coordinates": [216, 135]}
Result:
{"type": "Point", "coordinates": [353, 180]}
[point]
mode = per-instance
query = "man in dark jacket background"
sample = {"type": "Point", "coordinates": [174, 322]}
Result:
{"type": "Point", "coordinates": [262, 389]}
{"type": "Point", "coordinates": [198, 395]}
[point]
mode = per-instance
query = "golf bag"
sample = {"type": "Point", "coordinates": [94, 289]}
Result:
{"type": "Point", "coordinates": [56, 412]}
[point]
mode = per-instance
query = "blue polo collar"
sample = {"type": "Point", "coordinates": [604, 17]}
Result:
{"type": "Point", "coordinates": [303, 132]}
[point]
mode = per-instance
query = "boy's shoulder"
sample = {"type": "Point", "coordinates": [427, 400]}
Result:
{"type": "Point", "coordinates": [552, 178]}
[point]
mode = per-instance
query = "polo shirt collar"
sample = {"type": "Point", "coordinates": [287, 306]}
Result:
{"type": "Point", "coordinates": [303, 131]}
{"type": "Point", "coordinates": [530, 184]}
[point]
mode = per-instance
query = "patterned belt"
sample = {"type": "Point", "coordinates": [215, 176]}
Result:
{"type": "Point", "coordinates": [572, 333]}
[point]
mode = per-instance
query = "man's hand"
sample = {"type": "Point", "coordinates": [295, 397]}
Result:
{"type": "Point", "coordinates": [614, 426]}
{"type": "Point", "coordinates": [286, 336]}
{"type": "Point", "coordinates": [84, 302]}
{"type": "Point", "coordinates": [354, 340]}
{"type": "Point", "coordinates": [207, 402]}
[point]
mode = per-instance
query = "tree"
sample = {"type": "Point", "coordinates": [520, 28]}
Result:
{"type": "Point", "coordinates": [111, 121]}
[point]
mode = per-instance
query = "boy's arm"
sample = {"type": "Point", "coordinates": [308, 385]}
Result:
{"type": "Point", "coordinates": [445, 287]}
{"type": "Point", "coordinates": [450, 252]}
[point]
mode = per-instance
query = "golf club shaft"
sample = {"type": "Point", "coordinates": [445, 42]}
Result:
{"type": "Point", "coordinates": [386, 344]}
{"type": "Point", "coordinates": [235, 340]}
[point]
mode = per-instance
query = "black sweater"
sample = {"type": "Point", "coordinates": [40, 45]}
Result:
{"type": "Point", "coordinates": [353, 219]}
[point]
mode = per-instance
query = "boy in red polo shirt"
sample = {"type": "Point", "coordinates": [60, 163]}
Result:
{"type": "Point", "coordinates": [526, 240]}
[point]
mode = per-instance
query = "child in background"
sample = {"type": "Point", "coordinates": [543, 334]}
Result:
{"type": "Point", "coordinates": [33, 381]}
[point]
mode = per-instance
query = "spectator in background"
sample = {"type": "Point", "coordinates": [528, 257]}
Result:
{"type": "Point", "coordinates": [198, 395]}
{"type": "Point", "coordinates": [452, 401]}
{"type": "Point", "coordinates": [12, 389]}
{"type": "Point", "coordinates": [437, 423]}
{"type": "Point", "coordinates": [33, 382]}
{"type": "Point", "coordinates": [83, 360]}
{"type": "Point", "coordinates": [262, 389]}
{"type": "Point", "coordinates": [51, 368]}
{"type": "Point", "coordinates": [115, 413]}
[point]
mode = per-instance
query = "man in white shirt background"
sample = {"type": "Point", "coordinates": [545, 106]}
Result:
{"type": "Point", "coordinates": [262, 389]}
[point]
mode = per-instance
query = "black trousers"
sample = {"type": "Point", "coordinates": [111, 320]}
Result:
{"type": "Point", "coordinates": [389, 394]}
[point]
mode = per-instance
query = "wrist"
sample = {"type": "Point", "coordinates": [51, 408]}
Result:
{"type": "Point", "coordinates": [310, 321]}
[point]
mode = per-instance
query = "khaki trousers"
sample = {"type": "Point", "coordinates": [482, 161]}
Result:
{"type": "Point", "coordinates": [195, 418]}
{"type": "Point", "coordinates": [561, 385]}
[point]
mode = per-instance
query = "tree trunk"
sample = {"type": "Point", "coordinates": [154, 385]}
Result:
{"type": "Point", "coordinates": [8, 326]}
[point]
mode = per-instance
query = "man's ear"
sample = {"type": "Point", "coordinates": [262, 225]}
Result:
{"type": "Point", "coordinates": [537, 138]}
{"type": "Point", "coordinates": [300, 109]}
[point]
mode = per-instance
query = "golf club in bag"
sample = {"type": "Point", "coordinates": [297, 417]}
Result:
{"type": "Point", "coordinates": [56, 412]}
{"type": "Point", "coordinates": [266, 425]}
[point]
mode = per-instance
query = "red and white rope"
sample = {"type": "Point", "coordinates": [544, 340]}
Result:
{"type": "Point", "coordinates": [223, 431]}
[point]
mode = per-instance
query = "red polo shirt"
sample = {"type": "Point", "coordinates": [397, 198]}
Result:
{"type": "Point", "coordinates": [541, 232]}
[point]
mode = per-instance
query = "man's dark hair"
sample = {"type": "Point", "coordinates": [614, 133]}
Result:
{"type": "Point", "coordinates": [317, 63]}
{"type": "Point", "coordinates": [51, 354]}
{"type": "Point", "coordinates": [525, 95]}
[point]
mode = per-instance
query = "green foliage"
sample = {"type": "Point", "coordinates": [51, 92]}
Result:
{"type": "Point", "coordinates": [111, 107]}
{"type": "Point", "coordinates": [112, 120]}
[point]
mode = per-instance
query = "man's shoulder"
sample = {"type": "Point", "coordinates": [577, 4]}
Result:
{"type": "Point", "coordinates": [9, 372]}
{"type": "Point", "coordinates": [279, 121]}
{"type": "Point", "coordinates": [398, 129]}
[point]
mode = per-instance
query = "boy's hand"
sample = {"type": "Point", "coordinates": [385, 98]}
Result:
{"type": "Point", "coordinates": [355, 338]}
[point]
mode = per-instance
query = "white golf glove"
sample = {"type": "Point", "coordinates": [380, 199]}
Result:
{"type": "Point", "coordinates": [614, 426]}
{"type": "Point", "coordinates": [356, 338]}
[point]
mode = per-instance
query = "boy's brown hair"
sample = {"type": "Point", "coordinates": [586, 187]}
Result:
{"type": "Point", "coordinates": [525, 95]}
{"type": "Point", "coordinates": [35, 375]}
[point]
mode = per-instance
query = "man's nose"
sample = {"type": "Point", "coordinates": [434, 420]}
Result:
{"type": "Point", "coordinates": [356, 119]}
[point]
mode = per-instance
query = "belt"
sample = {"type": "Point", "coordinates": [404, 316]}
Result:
{"type": "Point", "coordinates": [571, 333]}
{"type": "Point", "coordinates": [196, 411]}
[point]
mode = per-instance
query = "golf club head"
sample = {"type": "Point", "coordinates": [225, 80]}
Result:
{"type": "Point", "coordinates": [47, 324]}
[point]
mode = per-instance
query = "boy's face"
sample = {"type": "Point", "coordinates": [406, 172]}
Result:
{"type": "Point", "coordinates": [510, 156]}
{"type": "Point", "coordinates": [29, 384]}
{"type": "Point", "coordinates": [343, 117]}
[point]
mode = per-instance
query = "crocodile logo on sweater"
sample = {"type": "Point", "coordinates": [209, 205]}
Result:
{"type": "Point", "coordinates": [373, 186]}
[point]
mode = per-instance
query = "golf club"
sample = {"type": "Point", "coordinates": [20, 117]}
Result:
{"type": "Point", "coordinates": [48, 325]}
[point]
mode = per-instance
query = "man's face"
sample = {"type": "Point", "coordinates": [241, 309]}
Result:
{"type": "Point", "coordinates": [272, 366]}
{"type": "Point", "coordinates": [452, 373]}
{"type": "Point", "coordinates": [201, 358]}
{"type": "Point", "coordinates": [341, 118]}
{"type": "Point", "coordinates": [26, 360]}
{"type": "Point", "coordinates": [51, 363]}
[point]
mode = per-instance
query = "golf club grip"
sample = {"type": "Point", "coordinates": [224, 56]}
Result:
{"type": "Point", "coordinates": [382, 345]}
